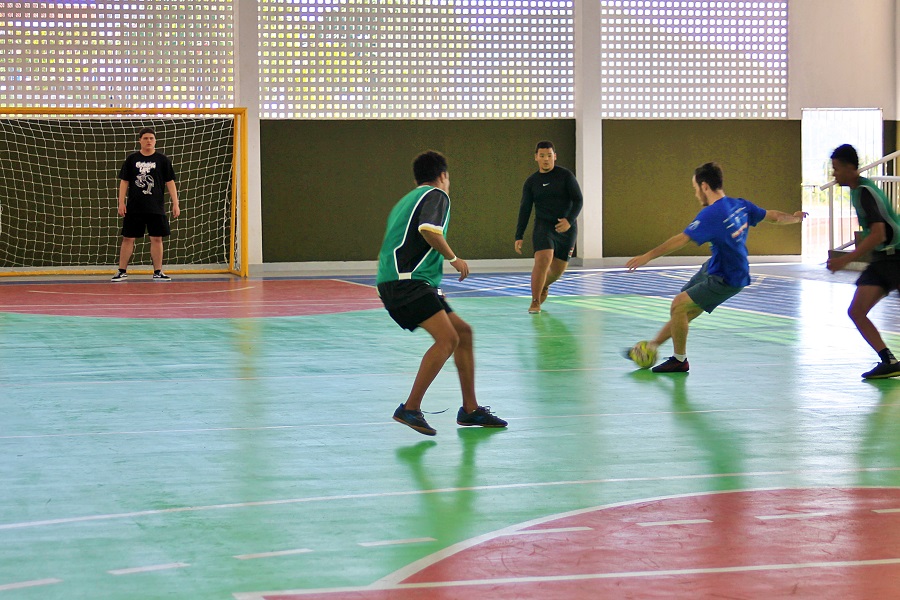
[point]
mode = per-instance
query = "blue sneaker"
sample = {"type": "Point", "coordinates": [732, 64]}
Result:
{"type": "Point", "coordinates": [481, 417]}
{"type": "Point", "coordinates": [414, 419]}
{"type": "Point", "coordinates": [883, 370]}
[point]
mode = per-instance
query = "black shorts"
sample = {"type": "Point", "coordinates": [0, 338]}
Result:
{"type": "Point", "coordinates": [545, 237]}
{"type": "Point", "coordinates": [134, 225]}
{"type": "Point", "coordinates": [884, 272]}
{"type": "Point", "coordinates": [424, 302]}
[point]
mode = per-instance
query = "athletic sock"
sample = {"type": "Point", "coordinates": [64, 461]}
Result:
{"type": "Point", "coordinates": [157, 271]}
{"type": "Point", "coordinates": [887, 356]}
{"type": "Point", "coordinates": [680, 357]}
{"type": "Point", "coordinates": [122, 270]}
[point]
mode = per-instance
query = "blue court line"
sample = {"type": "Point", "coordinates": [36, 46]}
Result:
{"type": "Point", "coordinates": [774, 295]}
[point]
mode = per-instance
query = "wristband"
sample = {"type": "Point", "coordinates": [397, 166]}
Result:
{"type": "Point", "coordinates": [454, 259]}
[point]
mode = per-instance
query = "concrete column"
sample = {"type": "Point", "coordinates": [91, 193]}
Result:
{"type": "Point", "coordinates": [246, 86]}
{"type": "Point", "coordinates": [589, 127]}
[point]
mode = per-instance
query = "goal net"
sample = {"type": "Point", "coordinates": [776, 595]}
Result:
{"type": "Point", "coordinates": [59, 187]}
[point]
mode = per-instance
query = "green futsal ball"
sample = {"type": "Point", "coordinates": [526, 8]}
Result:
{"type": "Point", "coordinates": [643, 355]}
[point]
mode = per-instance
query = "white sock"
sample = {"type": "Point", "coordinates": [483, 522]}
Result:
{"type": "Point", "coordinates": [681, 357]}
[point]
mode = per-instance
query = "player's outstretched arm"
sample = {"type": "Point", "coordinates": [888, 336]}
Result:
{"type": "Point", "coordinates": [439, 243]}
{"type": "Point", "coordinates": [672, 244]}
{"type": "Point", "coordinates": [782, 218]}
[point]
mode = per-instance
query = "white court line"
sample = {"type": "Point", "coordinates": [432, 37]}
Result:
{"type": "Point", "coordinates": [271, 554]}
{"type": "Point", "coordinates": [680, 522]}
{"type": "Point", "coordinates": [793, 516]}
{"type": "Point", "coordinates": [425, 562]}
{"type": "Point", "coordinates": [365, 285]}
{"type": "Point", "coordinates": [397, 542]}
{"type": "Point", "coordinates": [28, 584]}
{"type": "Point", "coordinates": [885, 510]}
{"type": "Point", "coordinates": [476, 488]}
{"type": "Point", "coordinates": [249, 287]}
{"type": "Point", "coordinates": [581, 577]}
{"type": "Point", "coordinates": [148, 569]}
{"type": "Point", "coordinates": [557, 530]}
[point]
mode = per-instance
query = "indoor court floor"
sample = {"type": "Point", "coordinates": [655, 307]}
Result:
{"type": "Point", "coordinates": [232, 438]}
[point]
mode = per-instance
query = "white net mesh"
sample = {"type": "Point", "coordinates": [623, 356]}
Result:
{"type": "Point", "coordinates": [59, 185]}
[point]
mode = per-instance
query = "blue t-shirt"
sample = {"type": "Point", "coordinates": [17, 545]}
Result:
{"type": "Point", "coordinates": [724, 224]}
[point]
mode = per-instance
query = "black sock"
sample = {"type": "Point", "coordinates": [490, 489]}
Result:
{"type": "Point", "coordinates": [157, 271]}
{"type": "Point", "coordinates": [887, 356]}
{"type": "Point", "coordinates": [121, 270]}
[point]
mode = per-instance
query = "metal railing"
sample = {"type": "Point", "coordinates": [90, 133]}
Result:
{"type": "Point", "coordinates": [842, 222]}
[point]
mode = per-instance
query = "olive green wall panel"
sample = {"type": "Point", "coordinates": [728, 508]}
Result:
{"type": "Point", "coordinates": [647, 170]}
{"type": "Point", "coordinates": [890, 137]}
{"type": "Point", "coordinates": [327, 186]}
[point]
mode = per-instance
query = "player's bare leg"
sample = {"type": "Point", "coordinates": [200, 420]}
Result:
{"type": "Point", "coordinates": [464, 358]}
{"type": "Point", "coordinates": [125, 252]}
{"type": "Point", "coordinates": [557, 268]}
{"type": "Point", "coordinates": [681, 313]}
{"type": "Point", "coordinates": [542, 261]}
{"type": "Point", "coordinates": [865, 298]}
{"type": "Point", "coordinates": [446, 340]}
{"type": "Point", "coordinates": [156, 252]}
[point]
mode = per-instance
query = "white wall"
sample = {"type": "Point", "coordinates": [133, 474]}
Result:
{"type": "Point", "coordinates": [842, 54]}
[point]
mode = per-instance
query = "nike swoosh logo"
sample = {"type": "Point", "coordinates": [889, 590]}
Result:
{"type": "Point", "coordinates": [546, 184]}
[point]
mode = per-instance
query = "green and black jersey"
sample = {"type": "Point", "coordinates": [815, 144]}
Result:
{"type": "Point", "coordinates": [405, 254]}
{"type": "Point", "coordinates": [873, 206]}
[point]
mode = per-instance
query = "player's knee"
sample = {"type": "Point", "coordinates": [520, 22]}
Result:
{"type": "Point", "coordinates": [543, 258]}
{"type": "Point", "coordinates": [681, 305]}
{"type": "Point", "coordinates": [857, 313]}
{"type": "Point", "coordinates": [448, 343]}
{"type": "Point", "coordinates": [464, 333]}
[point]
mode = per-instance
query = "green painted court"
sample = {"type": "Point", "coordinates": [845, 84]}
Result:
{"type": "Point", "coordinates": [228, 438]}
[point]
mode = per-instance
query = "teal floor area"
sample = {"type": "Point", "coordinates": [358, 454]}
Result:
{"type": "Point", "coordinates": [196, 459]}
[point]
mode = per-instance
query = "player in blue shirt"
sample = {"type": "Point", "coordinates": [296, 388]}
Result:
{"type": "Point", "coordinates": [723, 222]}
{"type": "Point", "coordinates": [881, 227]}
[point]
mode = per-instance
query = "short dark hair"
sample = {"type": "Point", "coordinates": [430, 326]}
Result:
{"type": "Point", "coordinates": [544, 144]}
{"type": "Point", "coordinates": [711, 173]}
{"type": "Point", "coordinates": [846, 154]}
{"type": "Point", "coordinates": [429, 166]}
{"type": "Point", "coordinates": [146, 130]}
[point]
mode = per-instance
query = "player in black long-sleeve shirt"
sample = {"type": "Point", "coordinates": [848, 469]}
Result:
{"type": "Point", "coordinates": [556, 197]}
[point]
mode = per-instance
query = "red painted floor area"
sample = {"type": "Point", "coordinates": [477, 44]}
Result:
{"type": "Point", "coordinates": [189, 299]}
{"type": "Point", "coordinates": [823, 544]}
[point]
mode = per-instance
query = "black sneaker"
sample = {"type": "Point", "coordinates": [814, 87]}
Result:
{"type": "Point", "coordinates": [414, 419]}
{"type": "Point", "coordinates": [481, 417]}
{"type": "Point", "coordinates": [120, 276]}
{"type": "Point", "coordinates": [672, 365]}
{"type": "Point", "coordinates": [883, 370]}
{"type": "Point", "coordinates": [160, 276]}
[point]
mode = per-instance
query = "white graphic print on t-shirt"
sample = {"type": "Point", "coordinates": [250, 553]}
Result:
{"type": "Point", "coordinates": [144, 179]}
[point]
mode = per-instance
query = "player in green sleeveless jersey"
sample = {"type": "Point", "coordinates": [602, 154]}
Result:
{"type": "Point", "coordinates": [881, 231]}
{"type": "Point", "coordinates": [410, 268]}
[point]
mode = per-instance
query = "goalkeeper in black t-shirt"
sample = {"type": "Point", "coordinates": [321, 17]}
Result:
{"type": "Point", "coordinates": [142, 202]}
